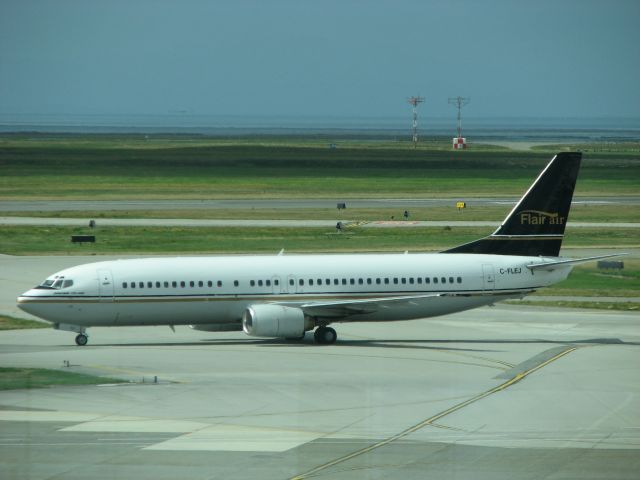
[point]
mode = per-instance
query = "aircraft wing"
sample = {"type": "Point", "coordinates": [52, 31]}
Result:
{"type": "Point", "coordinates": [343, 308]}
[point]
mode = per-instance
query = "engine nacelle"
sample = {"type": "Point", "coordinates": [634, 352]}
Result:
{"type": "Point", "coordinates": [275, 321]}
{"type": "Point", "coordinates": [218, 327]}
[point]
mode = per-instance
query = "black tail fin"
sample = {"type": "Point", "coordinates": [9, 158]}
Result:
{"type": "Point", "coordinates": [535, 227]}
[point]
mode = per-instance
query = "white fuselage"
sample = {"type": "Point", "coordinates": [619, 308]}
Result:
{"type": "Point", "coordinates": [216, 290]}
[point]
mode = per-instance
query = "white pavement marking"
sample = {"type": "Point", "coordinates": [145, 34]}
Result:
{"type": "Point", "coordinates": [238, 438]}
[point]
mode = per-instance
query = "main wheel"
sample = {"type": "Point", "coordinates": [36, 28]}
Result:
{"type": "Point", "coordinates": [81, 340]}
{"type": "Point", "coordinates": [325, 335]}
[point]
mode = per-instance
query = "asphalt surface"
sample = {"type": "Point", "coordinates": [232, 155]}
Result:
{"type": "Point", "coordinates": [266, 203]}
{"type": "Point", "coordinates": [503, 392]}
{"type": "Point", "coordinates": [185, 222]}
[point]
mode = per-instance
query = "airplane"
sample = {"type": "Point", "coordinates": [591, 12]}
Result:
{"type": "Point", "coordinates": [285, 296]}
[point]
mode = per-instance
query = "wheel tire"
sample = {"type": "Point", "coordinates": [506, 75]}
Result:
{"type": "Point", "coordinates": [81, 340]}
{"type": "Point", "coordinates": [330, 336]}
{"type": "Point", "coordinates": [325, 335]}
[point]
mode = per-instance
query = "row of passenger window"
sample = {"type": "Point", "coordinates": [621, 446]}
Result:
{"type": "Point", "coordinates": [174, 284]}
{"type": "Point", "coordinates": [378, 281]}
{"type": "Point", "coordinates": [302, 282]}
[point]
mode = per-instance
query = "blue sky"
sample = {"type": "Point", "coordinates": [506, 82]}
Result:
{"type": "Point", "coordinates": [558, 58]}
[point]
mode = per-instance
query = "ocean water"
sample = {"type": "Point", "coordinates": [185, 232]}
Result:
{"type": "Point", "coordinates": [477, 128]}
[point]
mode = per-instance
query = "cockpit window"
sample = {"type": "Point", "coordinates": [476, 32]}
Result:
{"type": "Point", "coordinates": [55, 283]}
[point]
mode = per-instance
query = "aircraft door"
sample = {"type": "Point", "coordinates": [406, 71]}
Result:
{"type": "Point", "coordinates": [488, 277]}
{"type": "Point", "coordinates": [105, 285]}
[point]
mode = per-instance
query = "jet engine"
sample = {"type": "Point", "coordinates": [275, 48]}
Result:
{"type": "Point", "coordinates": [275, 321]}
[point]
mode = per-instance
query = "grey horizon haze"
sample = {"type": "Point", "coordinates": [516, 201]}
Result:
{"type": "Point", "coordinates": [562, 58]}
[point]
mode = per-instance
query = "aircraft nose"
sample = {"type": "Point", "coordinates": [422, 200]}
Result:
{"type": "Point", "coordinates": [27, 303]}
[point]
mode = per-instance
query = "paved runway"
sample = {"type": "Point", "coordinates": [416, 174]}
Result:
{"type": "Point", "coordinates": [287, 203]}
{"type": "Point", "coordinates": [253, 223]}
{"type": "Point", "coordinates": [503, 392]}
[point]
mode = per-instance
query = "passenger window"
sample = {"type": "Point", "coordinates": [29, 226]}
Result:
{"type": "Point", "coordinates": [124, 284]}
{"type": "Point", "coordinates": [386, 281]}
{"type": "Point", "coordinates": [220, 283]}
{"type": "Point", "coordinates": [427, 280]}
{"type": "Point", "coordinates": [344, 281]}
{"type": "Point", "coordinates": [183, 284]}
{"type": "Point", "coordinates": [403, 280]}
{"type": "Point", "coordinates": [133, 284]}
{"type": "Point", "coordinates": [319, 281]}
{"type": "Point", "coordinates": [395, 280]}
{"type": "Point", "coordinates": [311, 281]}
{"type": "Point", "coordinates": [291, 282]}
{"type": "Point", "coordinates": [327, 281]}
{"type": "Point", "coordinates": [141, 284]}
{"type": "Point", "coordinates": [276, 282]}
{"type": "Point", "coordinates": [174, 284]}
{"type": "Point", "coordinates": [435, 279]}
{"type": "Point", "coordinates": [368, 281]}
{"type": "Point", "coordinates": [419, 280]}
{"type": "Point", "coordinates": [459, 279]}
{"type": "Point", "coordinates": [236, 283]}
{"type": "Point", "coordinates": [200, 283]}
{"type": "Point", "coordinates": [192, 284]}
{"type": "Point", "coordinates": [259, 283]}
{"type": "Point", "coordinates": [268, 283]}
{"type": "Point", "coordinates": [443, 279]}
{"type": "Point", "coordinates": [360, 281]}
{"type": "Point", "coordinates": [252, 283]}
{"type": "Point", "coordinates": [377, 281]}
{"type": "Point", "coordinates": [166, 284]}
{"type": "Point", "coordinates": [352, 281]}
{"type": "Point", "coordinates": [209, 283]}
{"type": "Point", "coordinates": [450, 279]}
{"type": "Point", "coordinates": [336, 281]}
{"type": "Point", "coordinates": [301, 282]}
{"type": "Point", "coordinates": [150, 284]}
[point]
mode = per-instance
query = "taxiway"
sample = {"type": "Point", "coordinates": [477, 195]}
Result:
{"type": "Point", "coordinates": [502, 392]}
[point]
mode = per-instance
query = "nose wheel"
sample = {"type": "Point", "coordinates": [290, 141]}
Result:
{"type": "Point", "coordinates": [81, 340]}
{"type": "Point", "coordinates": [325, 335]}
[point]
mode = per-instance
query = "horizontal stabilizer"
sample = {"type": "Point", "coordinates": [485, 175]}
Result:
{"type": "Point", "coordinates": [563, 263]}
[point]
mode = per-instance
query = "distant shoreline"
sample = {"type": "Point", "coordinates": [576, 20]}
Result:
{"type": "Point", "coordinates": [524, 130]}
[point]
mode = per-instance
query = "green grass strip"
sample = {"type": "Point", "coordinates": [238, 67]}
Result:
{"type": "Point", "coordinates": [618, 306]}
{"type": "Point", "coordinates": [26, 378]}
{"type": "Point", "coordinates": [12, 323]}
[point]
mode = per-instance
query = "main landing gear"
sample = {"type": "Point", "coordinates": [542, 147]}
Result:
{"type": "Point", "coordinates": [81, 339]}
{"type": "Point", "coordinates": [325, 335]}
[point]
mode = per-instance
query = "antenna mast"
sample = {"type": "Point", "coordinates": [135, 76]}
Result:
{"type": "Point", "coordinates": [415, 101]}
{"type": "Point", "coordinates": [459, 102]}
